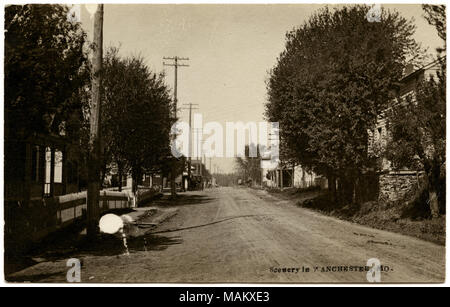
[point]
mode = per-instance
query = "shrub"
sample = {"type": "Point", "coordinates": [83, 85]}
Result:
{"type": "Point", "coordinates": [418, 208]}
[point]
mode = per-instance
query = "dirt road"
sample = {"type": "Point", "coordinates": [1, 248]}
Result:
{"type": "Point", "coordinates": [243, 235]}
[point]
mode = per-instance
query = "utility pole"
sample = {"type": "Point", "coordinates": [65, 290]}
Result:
{"type": "Point", "coordinates": [191, 107]}
{"type": "Point", "coordinates": [175, 64]}
{"type": "Point", "coordinates": [198, 143]}
{"type": "Point", "coordinates": [93, 193]}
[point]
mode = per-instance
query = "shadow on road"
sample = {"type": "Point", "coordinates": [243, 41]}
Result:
{"type": "Point", "coordinates": [105, 245]}
{"type": "Point", "coordinates": [72, 242]}
{"type": "Point", "coordinates": [182, 200]}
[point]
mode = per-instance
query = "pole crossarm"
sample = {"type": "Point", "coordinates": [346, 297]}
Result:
{"type": "Point", "coordinates": [179, 65]}
{"type": "Point", "coordinates": [175, 64]}
{"type": "Point", "coordinates": [176, 57]}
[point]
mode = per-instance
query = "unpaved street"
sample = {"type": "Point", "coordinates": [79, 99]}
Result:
{"type": "Point", "coordinates": [244, 235]}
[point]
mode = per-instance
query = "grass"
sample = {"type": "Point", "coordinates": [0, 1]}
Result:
{"type": "Point", "coordinates": [411, 218]}
{"type": "Point", "coordinates": [292, 191]}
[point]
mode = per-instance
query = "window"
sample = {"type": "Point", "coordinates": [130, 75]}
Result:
{"type": "Point", "coordinates": [35, 163]}
{"type": "Point", "coordinates": [47, 170]}
{"type": "Point", "coordinates": [58, 166]}
{"type": "Point", "coordinates": [380, 134]}
{"type": "Point", "coordinates": [57, 169]}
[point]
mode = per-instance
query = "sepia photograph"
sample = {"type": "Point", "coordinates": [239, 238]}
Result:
{"type": "Point", "coordinates": [224, 143]}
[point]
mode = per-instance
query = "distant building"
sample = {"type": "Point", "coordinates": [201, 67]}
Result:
{"type": "Point", "coordinates": [149, 180]}
{"type": "Point", "coordinates": [285, 176]}
{"type": "Point", "coordinates": [200, 176]}
{"type": "Point", "coordinates": [304, 178]}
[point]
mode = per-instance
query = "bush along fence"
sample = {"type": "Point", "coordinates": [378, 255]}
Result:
{"type": "Point", "coordinates": [144, 195]}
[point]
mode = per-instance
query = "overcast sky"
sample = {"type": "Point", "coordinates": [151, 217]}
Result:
{"type": "Point", "coordinates": [230, 47]}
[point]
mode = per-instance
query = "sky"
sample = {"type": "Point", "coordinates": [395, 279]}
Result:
{"type": "Point", "coordinates": [230, 48]}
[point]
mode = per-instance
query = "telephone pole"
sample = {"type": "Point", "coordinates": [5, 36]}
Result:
{"type": "Point", "coordinates": [199, 144]}
{"type": "Point", "coordinates": [175, 64]}
{"type": "Point", "coordinates": [93, 193]}
{"type": "Point", "coordinates": [191, 107]}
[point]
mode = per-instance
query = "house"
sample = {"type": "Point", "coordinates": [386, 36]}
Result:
{"type": "Point", "coordinates": [395, 184]}
{"type": "Point", "coordinates": [39, 166]}
{"type": "Point", "coordinates": [281, 175]}
{"type": "Point", "coordinates": [304, 178]}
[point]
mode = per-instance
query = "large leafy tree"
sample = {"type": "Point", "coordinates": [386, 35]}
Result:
{"type": "Point", "coordinates": [135, 116]}
{"type": "Point", "coordinates": [330, 83]}
{"type": "Point", "coordinates": [46, 73]}
{"type": "Point", "coordinates": [45, 65]}
{"type": "Point", "coordinates": [435, 15]}
{"type": "Point", "coordinates": [113, 135]}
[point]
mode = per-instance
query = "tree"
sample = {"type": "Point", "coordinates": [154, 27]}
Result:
{"type": "Point", "coordinates": [250, 167]}
{"type": "Point", "coordinates": [417, 135]}
{"type": "Point", "coordinates": [136, 116]}
{"type": "Point", "coordinates": [329, 85]}
{"type": "Point", "coordinates": [45, 66]}
{"type": "Point", "coordinates": [435, 15]}
{"type": "Point", "coordinates": [46, 74]}
{"type": "Point", "coordinates": [226, 180]}
{"type": "Point", "coordinates": [171, 168]}
{"type": "Point", "coordinates": [113, 136]}
{"type": "Point", "coordinates": [417, 126]}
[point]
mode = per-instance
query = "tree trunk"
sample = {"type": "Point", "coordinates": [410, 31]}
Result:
{"type": "Point", "coordinates": [120, 171]}
{"type": "Point", "coordinates": [346, 189]}
{"type": "Point", "coordinates": [133, 183]}
{"type": "Point", "coordinates": [433, 173]}
{"type": "Point", "coordinates": [434, 203]}
{"type": "Point", "coordinates": [173, 190]}
{"type": "Point", "coordinates": [332, 187]}
{"type": "Point", "coordinates": [103, 176]}
{"type": "Point", "coordinates": [356, 190]}
{"type": "Point", "coordinates": [136, 176]}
